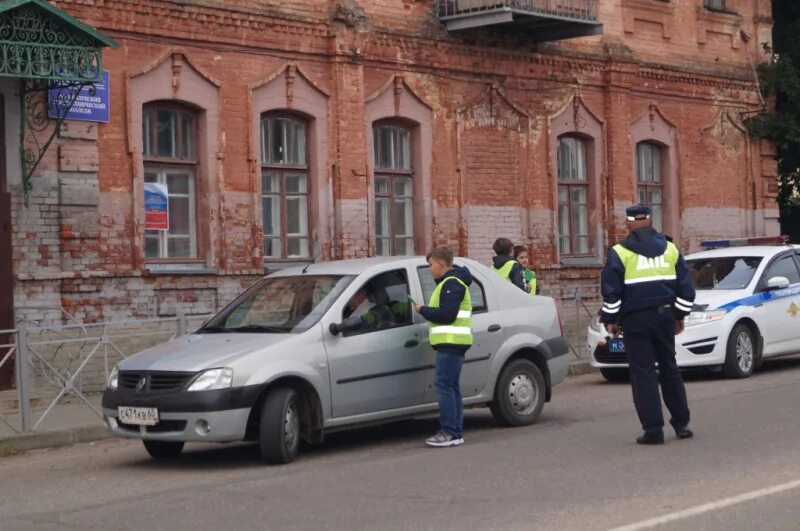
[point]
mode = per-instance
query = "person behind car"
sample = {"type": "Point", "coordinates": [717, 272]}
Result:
{"type": "Point", "coordinates": [449, 316]}
{"type": "Point", "coordinates": [505, 265]}
{"type": "Point", "coordinates": [647, 289]}
{"type": "Point", "coordinates": [521, 256]}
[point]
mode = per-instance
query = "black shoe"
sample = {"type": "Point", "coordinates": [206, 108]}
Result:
{"type": "Point", "coordinates": [684, 433]}
{"type": "Point", "coordinates": [651, 438]}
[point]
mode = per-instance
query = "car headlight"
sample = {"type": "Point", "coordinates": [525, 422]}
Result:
{"type": "Point", "coordinates": [213, 379]}
{"type": "Point", "coordinates": [696, 318]}
{"type": "Point", "coordinates": [113, 379]}
{"type": "Point", "coordinates": [595, 326]}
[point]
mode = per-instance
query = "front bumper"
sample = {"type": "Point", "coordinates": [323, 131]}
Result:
{"type": "Point", "coordinates": [698, 346]}
{"type": "Point", "coordinates": [210, 416]}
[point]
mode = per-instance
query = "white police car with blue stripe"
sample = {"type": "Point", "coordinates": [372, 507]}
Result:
{"type": "Point", "coordinates": [747, 310]}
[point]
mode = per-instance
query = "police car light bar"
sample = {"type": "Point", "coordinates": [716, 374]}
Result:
{"type": "Point", "coordinates": [739, 242]}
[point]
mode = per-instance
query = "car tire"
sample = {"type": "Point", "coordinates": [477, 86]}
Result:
{"type": "Point", "coordinates": [279, 430]}
{"type": "Point", "coordinates": [741, 354]}
{"type": "Point", "coordinates": [615, 375]}
{"type": "Point", "coordinates": [163, 449]}
{"type": "Point", "coordinates": [520, 394]}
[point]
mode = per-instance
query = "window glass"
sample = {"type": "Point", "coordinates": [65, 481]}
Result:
{"type": "Point", "coordinates": [733, 272]}
{"type": "Point", "coordinates": [783, 267]}
{"type": "Point", "coordinates": [180, 240]}
{"type": "Point", "coordinates": [279, 305]}
{"type": "Point", "coordinates": [380, 303]}
{"type": "Point", "coordinates": [394, 191]}
{"type": "Point", "coordinates": [476, 291]}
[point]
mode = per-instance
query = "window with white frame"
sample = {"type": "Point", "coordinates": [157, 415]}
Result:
{"type": "Point", "coordinates": [649, 183]}
{"type": "Point", "coordinates": [573, 198]}
{"type": "Point", "coordinates": [284, 186]}
{"type": "Point", "coordinates": [394, 190]}
{"type": "Point", "coordinates": [169, 136]}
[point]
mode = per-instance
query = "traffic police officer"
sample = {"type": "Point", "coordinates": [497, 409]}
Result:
{"type": "Point", "coordinates": [647, 291]}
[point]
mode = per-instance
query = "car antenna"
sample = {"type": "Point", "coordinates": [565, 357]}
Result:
{"type": "Point", "coordinates": [319, 251]}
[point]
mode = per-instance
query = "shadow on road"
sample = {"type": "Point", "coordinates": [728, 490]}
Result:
{"type": "Point", "coordinates": [243, 455]}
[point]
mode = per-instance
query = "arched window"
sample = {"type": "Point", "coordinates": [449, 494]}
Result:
{"type": "Point", "coordinates": [649, 182]}
{"type": "Point", "coordinates": [573, 197]}
{"type": "Point", "coordinates": [285, 186]}
{"type": "Point", "coordinates": [394, 190]}
{"type": "Point", "coordinates": [169, 141]}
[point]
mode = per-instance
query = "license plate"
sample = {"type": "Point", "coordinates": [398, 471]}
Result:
{"type": "Point", "coordinates": [616, 345]}
{"type": "Point", "coordinates": [140, 416]}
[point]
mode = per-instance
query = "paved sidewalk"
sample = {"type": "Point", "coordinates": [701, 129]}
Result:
{"type": "Point", "coordinates": [72, 422]}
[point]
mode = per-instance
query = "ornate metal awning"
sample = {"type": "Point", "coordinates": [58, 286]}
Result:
{"type": "Point", "coordinates": [49, 51]}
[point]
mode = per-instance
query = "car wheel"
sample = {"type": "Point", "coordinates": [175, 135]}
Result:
{"type": "Point", "coordinates": [615, 375]}
{"type": "Point", "coordinates": [520, 394]}
{"type": "Point", "coordinates": [279, 431]}
{"type": "Point", "coordinates": [163, 449]}
{"type": "Point", "coordinates": [740, 357]}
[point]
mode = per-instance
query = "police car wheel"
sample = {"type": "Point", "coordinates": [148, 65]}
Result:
{"type": "Point", "coordinates": [742, 353]}
{"type": "Point", "coordinates": [163, 449]}
{"type": "Point", "coordinates": [279, 430]}
{"type": "Point", "coordinates": [520, 394]}
{"type": "Point", "coordinates": [615, 375]}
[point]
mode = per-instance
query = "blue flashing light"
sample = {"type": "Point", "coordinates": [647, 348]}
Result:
{"type": "Point", "coordinates": [739, 242]}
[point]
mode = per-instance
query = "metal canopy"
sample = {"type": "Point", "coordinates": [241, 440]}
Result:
{"type": "Point", "coordinates": [39, 41]}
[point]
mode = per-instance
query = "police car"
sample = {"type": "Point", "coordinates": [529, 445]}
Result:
{"type": "Point", "coordinates": [747, 309]}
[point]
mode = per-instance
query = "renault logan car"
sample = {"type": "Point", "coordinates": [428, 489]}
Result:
{"type": "Point", "coordinates": [310, 350]}
{"type": "Point", "coordinates": [747, 309]}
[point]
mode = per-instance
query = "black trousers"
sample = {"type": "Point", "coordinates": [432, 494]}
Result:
{"type": "Point", "coordinates": [650, 338]}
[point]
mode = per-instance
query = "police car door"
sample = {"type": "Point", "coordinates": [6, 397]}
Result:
{"type": "Point", "coordinates": [781, 328]}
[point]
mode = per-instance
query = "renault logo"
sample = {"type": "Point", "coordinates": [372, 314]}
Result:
{"type": "Point", "coordinates": [141, 384]}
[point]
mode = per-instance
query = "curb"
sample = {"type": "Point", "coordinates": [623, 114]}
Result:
{"type": "Point", "coordinates": [52, 439]}
{"type": "Point", "coordinates": [581, 367]}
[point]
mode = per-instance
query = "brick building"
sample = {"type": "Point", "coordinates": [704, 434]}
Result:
{"type": "Point", "coordinates": [288, 131]}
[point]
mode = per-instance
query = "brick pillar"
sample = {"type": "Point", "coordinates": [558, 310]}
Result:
{"type": "Point", "coordinates": [619, 164]}
{"type": "Point", "coordinates": [351, 183]}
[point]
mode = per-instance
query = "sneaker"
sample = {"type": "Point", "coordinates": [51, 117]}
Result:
{"type": "Point", "coordinates": [442, 440]}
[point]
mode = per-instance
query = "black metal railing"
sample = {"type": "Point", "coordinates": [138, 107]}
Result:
{"type": "Point", "coordinates": [578, 10]}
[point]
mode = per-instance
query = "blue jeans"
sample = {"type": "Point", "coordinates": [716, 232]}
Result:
{"type": "Point", "coordinates": [448, 389]}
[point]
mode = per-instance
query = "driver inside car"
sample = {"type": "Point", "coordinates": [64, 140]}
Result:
{"type": "Point", "coordinates": [378, 316]}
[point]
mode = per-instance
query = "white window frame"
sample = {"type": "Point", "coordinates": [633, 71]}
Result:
{"type": "Point", "coordinates": [163, 235]}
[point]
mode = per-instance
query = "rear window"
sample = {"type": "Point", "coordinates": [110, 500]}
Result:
{"type": "Point", "coordinates": [729, 272]}
{"type": "Point", "coordinates": [476, 292]}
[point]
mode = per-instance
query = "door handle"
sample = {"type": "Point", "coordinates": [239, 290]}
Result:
{"type": "Point", "coordinates": [411, 343]}
{"type": "Point", "coordinates": [495, 328]}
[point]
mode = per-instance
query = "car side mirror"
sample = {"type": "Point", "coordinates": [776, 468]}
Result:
{"type": "Point", "coordinates": [777, 283]}
{"type": "Point", "coordinates": [335, 329]}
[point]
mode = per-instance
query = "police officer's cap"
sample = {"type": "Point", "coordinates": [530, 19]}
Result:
{"type": "Point", "coordinates": [638, 212]}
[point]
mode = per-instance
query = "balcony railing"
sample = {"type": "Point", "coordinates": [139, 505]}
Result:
{"type": "Point", "coordinates": [547, 19]}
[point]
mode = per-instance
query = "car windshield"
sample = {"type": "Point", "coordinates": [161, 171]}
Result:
{"type": "Point", "coordinates": [728, 272]}
{"type": "Point", "coordinates": [279, 305]}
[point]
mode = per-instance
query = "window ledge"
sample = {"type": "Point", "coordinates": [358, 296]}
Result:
{"type": "Point", "coordinates": [180, 269]}
{"type": "Point", "coordinates": [590, 262]}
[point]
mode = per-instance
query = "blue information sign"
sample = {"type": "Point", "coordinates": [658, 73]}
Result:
{"type": "Point", "coordinates": [91, 105]}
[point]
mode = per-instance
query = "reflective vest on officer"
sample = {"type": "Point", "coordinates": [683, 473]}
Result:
{"type": "Point", "coordinates": [505, 271]}
{"type": "Point", "coordinates": [460, 331]}
{"type": "Point", "coordinates": [640, 269]}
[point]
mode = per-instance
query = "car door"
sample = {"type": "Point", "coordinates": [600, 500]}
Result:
{"type": "Point", "coordinates": [487, 337]}
{"type": "Point", "coordinates": [380, 366]}
{"type": "Point", "coordinates": [781, 326]}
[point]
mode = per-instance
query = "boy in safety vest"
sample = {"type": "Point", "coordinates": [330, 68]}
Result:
{"type": "Point", "coordinates": [449, 316]}
{"type": "Point", "coordinates": [505, 265]}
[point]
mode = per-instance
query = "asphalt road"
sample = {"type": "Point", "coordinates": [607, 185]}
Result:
{"type": "Point", "coordinates": [578, 468]}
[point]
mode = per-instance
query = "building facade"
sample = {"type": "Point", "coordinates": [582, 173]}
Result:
{"type": "Point", "coordinates": [293, 131]}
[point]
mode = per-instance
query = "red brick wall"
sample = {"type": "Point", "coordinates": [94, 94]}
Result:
{"type": "Point", "coordinates": [692, 65]}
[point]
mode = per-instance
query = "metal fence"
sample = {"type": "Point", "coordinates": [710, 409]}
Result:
{"type": "Point", "coordinates": [582, 10]}
{"type": "Point", "coordinates": [577, 306]}
{"type": "Point", "coordinates": [54, 364]}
